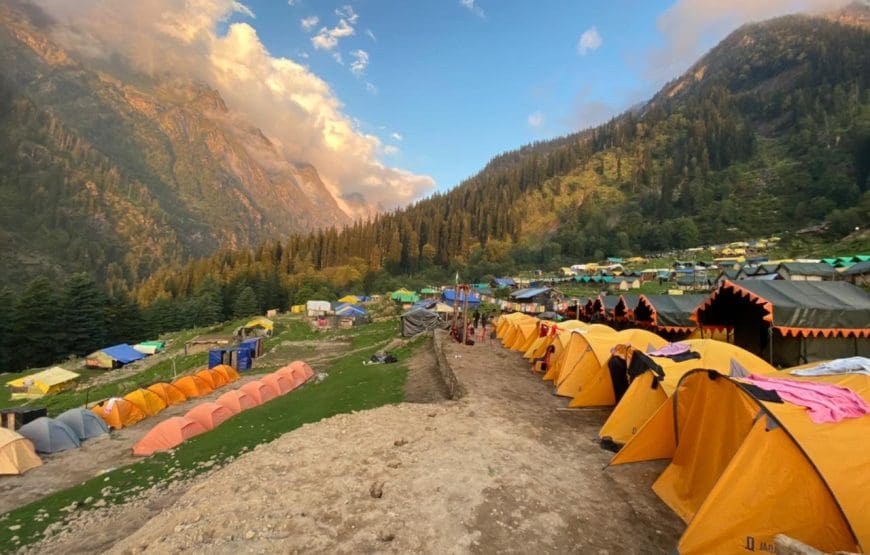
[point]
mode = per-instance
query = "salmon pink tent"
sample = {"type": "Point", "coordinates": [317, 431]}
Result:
{"type": "Point", "coordinates": [209, 415]}
{"type": "Point", "coordinates": [193, 386]}
{"type": "Point", "coordinates": [300, 372]}
{"type": "Point", "coordinates": [166, 435]}
{"type": "Point", "coordinates": [259, 391]}
{"type": "Point", "coordinates": [170, 394]}
{"type": "Point", "coordinates": [236, 401]}
{"type": "Point", "coordinates": [279, 383]}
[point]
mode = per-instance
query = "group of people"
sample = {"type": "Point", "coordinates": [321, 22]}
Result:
{"type": "Point", "coordinates": [477, 321]}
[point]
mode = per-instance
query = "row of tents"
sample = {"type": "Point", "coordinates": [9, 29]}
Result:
{"type": "Point", "coordinates": [784, 322]}
{"type": "Point", "coordinates": [173, 431]}
{"type": "Point", "coordinates": [18, 450]}
{"type": "Point", "coordinates": [745, 464]}
{"type": "Point", "coordinates": [119, 412]}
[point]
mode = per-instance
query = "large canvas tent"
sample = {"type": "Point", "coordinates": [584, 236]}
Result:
{"type": "Point", "coordinates": [671, 314]}
{"type": "Point", "coordinates": [84, 423]}
{"type": "Point", "coordinates": [17, 454]}
{"type": "Point", "coordinates": [113, 357]}
{"type": "Point", "coordinates": [419, 320]}
{"type": "Point", "coordinates": [744, 469]}
{"type": "Point", "coordinates": [654, 379]}
{"type": "Point", "coordinates": [49, 435]}
{"type": "Point", "coordinates": [46, 382]}
{"type": "Point", "coordinates": [791, 322]}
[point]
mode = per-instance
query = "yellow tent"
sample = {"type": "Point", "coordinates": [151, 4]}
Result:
{"type": "Point", "coordinates": [147, 401]}
{"type": "Point", "coordinates": [588, 381]}
{"type": "Point", "coordinates": [539, 346]}
{"type": "Point", "coordinates": [743, 470]}
{"type": "Point", "coordinates": [261, 322]}
{"type": "Point", "coordinates": [297, 309]}
{"type": "Point", "coordinates": [518, 328]}
{"type": "Point", "coordinates": [529, 335]}
{"type": "Point", "coordinates": [42, 383]}
{"type": "Point", "coordinates": [649, 390]}
{"type": "Point", "coordinates": [17, 455]}
{"type": "Point", "coordinates": [504, 321]}
{"type": "Point", "coordinates": [352, 299]}
{"type": "Point", "coordinates": [574, 346]}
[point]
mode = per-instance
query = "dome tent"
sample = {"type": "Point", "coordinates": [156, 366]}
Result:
{"type": "Point", "coordinates": [209, 415]}
{"type": "Point", "coordinates": [237, 401]}
{"type": "Point", "coordinates": [49, 435]}
{"type": "Point", "coordinates": [84, 423]}
{"type": "Point", "coordinates": [166, 435]}
{"type": "Point", "coordinates": [170, 394]}
{"type": "Point", "coordinates": [261, 392]}
{"type": "Point", "coordinates": [117, 412]}
{"type": "Point", "coordinates": [17, 455]}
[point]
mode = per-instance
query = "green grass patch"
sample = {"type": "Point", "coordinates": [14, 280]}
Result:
{"type": "Point", "coordinates": [350, 386]}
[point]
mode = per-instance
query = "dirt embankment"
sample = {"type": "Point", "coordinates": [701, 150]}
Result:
{"type": "Point", "coordinates": [499, 470]}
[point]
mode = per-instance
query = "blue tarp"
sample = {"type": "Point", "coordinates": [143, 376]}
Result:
{"type": "Point", "coordinates": [505, 282]}
{"type": "Point", "coordinates": [351, 310]}
{"type": "Point", "coordinates": [123, 353]}
{"type": "Point", "coordinates": [244, 358]}
{"type": "Point", "coordinates": [215, 357]}
{"type": "Point", "coordinates": [254, 345]}
{"type": "Point", "coordinates": [425, 304]}
{"type": "Point", "coordinates": [450, 294]}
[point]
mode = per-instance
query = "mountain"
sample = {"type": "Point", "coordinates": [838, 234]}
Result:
{"type": "Point", "coordinates": [117, 173]}
{"type": "Point", "coordinates": [767, 133]}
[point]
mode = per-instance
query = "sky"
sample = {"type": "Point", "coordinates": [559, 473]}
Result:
{"type": "Point", "coordinates": [396, 99]}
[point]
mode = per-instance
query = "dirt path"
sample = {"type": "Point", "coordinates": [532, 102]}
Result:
{"type": "Point", "coordinates": [500, 470]}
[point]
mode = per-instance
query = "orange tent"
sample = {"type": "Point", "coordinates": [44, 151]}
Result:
{"type": "Point", "coordinates": [209, 415]}
{"type": "Point", "coordinates": [148, 402]}
{"type": "Point", "coordinates": [206, 376]}
{"type": "Point", "coordinates": [170, 394]}
{"type": "Point", "coordinates": [279, 383]}
{"type": "Point", "coordinates": [193, 386]}
{"type": "Point", "coordinates": [237, 401]}
{"type": "Point", "coordinates": [299, 371]}
{"type": "Point", "coordinates": [219, 379]}
{"type": "Point", "coordinates": [117, 412]}
{"type": "Point", "coordinates": [227, 372]}
{"type": "Point", "coordinates": [170, 433]}
{"type": "Point", "coordinates": [261, 392]}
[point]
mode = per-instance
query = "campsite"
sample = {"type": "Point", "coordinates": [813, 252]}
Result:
{"type": "Point", "coordinates": [464, 277]}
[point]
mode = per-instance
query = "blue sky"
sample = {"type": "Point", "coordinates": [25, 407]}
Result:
{"type": "Point", "coordinates": [448, 84]}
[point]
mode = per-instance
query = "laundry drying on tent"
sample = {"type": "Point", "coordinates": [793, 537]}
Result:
{"type": "Point", "coordinates": [746, 467]}
{"type": "Point", "coordinates": [643, 381]}
{"type": "Point", "coordinates": [118, 413]}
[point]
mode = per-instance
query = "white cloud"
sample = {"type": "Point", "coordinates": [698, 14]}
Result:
{"type": "Point", "coordinates": [360, 62]}
{"type": "Point", "coordinates": [397, 136]}
{"type": "Point", "coordinates": [338, 59]}
{"type": "Point", "coordinates": [589, 40]}
{"type": "Point", "coordinates": [243, 9]}
{"type": "Point", "coordinates": [346, 12]}
{"type": "Point", "coordinates": [292, 3]}
{"type": "Point", "coordinates": [370, 88]}
{"type": "Point", "coordinates": [390, 150]}
{"type": "Point", "coordinates": [308, 23]}
{"type": "Point", "coordinates": [690, 27]}
{"type": "Point", "coordinates": [371, 35]}
{"type": "Point", "coordinates": [535, 119]}
{"type": "Point", "coordinates": [472, 7]}
{"type": "Point", "coordinates": [327, 39]}
{"type": "Point", "coordinates": [295, 108]}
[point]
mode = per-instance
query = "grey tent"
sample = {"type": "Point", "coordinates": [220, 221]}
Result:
{"type": "Point", "coordinates": [84, 423]}
{"type": "Point", "coordinates": [418, 320]}
{"type": "Point", "coordinates": [668, 313]}
{"type": "Point", "coordinates": [49, 435]}
{"type": "Point", "coordinates": [790, 322]}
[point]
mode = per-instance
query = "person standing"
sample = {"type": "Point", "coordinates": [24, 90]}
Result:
{"type": "Point", "coordinates": [476, 318]}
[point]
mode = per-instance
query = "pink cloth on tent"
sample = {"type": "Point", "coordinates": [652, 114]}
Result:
{"type": "Point", "coordinates": [670, 350]}
{"type": "Point", "coordinates": [824, 402]}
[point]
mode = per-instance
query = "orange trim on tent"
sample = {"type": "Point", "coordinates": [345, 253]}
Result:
{"type": "Point", "coordinates": [786, 331]}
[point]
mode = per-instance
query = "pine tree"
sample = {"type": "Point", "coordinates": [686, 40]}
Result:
{"type": "Point", "coordinates": [37, 325]}
{"type": "Point", "coordinates": [6, 329]}
{"type": "Point", "coordinates": [246, 303]}
{"type": "Point", "coordinates": [83, 316]}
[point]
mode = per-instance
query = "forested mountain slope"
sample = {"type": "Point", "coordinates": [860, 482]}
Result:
{"type": "Point", "coordinates": [117, 173]}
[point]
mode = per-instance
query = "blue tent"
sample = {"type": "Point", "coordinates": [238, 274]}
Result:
{"type": "Point", "coordinates": [450, 294]}
{"type": "Point", "coordinates": [49, 435]}
{"type": "Point", "coordinates": [351, 310]}
{"type": "Point", "coordinates": [85, 423]}
{"type": "Point", "coordinates": [123, 353]}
